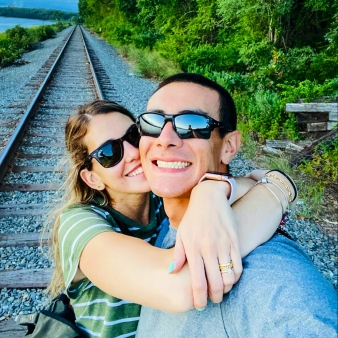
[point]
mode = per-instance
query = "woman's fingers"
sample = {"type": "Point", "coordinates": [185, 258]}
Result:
{"type": "Point", "coordinates": [198, 281]}
{"type": "Point", "coordinates": [236, 261]}
{"type": "Point", "coordinates": [226, 270]}
{"type": "Point", "coordinates": [214, 278]}
{"type": "Point", "coordinates": [179, 257]}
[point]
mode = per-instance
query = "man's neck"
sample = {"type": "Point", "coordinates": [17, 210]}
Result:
{"type": "Point", "coordinates": [175, 209]}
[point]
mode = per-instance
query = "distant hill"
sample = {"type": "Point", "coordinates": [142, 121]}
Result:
{"type": "Point", "coordinates": [62, 5]}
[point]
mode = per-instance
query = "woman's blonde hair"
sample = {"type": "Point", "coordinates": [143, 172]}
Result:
{"type": "Point", "coordinates": [74, 190]}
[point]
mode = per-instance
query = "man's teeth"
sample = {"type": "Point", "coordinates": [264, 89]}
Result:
{"type": "Point", "coordinates": [138, 171]}
{"type": "Point", "coordinates": [172, 165]}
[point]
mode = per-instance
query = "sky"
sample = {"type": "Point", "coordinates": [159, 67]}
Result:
{"type": "Point", "coordinates": [62, 5]}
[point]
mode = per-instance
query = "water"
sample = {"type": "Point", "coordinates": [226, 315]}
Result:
{"type": "Point", "coordinates": [6, 23]}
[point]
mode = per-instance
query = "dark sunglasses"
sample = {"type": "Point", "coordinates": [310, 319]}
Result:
{"type": "Point", "coordinates": [187, 124]}
{"type": "Point", "coordinates": [112, 151]}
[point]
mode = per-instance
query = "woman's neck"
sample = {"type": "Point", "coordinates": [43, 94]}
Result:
{"type": "Point", "coordinates": [134, 206]}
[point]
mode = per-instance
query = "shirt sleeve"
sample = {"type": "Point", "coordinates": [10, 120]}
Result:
{"type": "Point", "coordinates": [77, 227]}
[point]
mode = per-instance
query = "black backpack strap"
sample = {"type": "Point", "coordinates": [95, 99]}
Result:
{"type": "Point", "coordinates": [29, 321]}
{"type": "Point", "coordinates": [58, 318]}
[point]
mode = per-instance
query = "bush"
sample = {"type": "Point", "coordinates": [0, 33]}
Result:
{"type": "Point", "coordinates": [324, 162]}
{"type": "Point", "coordinates": [19, 38]}
{"type": "Point", "coordinates": [41, 33]}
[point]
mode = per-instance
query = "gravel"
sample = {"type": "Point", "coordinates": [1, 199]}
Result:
{"type": "Point", "coordinates": [133, 92]}
{"type": "Point", "coordinates": [13, 78]}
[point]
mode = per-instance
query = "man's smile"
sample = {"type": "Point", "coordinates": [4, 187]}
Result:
{"type": "Point", "coordinates": [172, 165]}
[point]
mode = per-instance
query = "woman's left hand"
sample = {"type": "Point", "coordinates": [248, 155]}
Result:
{"type": "Point", "coordinates": [207, 237]}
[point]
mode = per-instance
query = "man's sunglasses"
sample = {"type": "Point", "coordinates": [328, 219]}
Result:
{"type": "Point", "coordinates": [187, 124]}
{"type": "Point", "coordinates": [112, 151]}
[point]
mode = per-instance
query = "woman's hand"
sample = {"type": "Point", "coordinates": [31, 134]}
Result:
{"type": "Point", "coordinates": [207, 237]}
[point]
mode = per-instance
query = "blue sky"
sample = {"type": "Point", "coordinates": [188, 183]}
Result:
{"type": "Point", "coordinates": [62, 5]}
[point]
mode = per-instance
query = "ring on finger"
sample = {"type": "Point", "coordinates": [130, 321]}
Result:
{"type": "Point", "coordinates": [226, 267]}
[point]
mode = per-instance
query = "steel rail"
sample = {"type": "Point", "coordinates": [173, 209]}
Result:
{"type": "Point", "coordinates": [95, 80]}
{"type": "Point", "coordinates": [13, 143]}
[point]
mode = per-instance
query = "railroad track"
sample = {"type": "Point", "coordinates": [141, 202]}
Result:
{"type": "Point", "coordinates": [31, 145]}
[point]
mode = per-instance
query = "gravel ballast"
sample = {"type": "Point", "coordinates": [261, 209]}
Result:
{"type": "Point", "coordinates": [133, 92]}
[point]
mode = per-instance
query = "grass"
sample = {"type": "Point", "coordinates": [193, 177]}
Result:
{"type": "Point", "coordinates": [149, 64]}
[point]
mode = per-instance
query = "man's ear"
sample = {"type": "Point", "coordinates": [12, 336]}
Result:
{"type": "Point", "coordinates": [231, 144]}
{"type": "Point", "coordinates": [92, 179]}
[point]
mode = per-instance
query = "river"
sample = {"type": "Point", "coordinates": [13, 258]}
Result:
{"type": "Point", "coordinates": [6, 22]}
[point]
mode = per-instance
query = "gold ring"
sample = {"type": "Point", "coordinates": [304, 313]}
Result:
{"type": "Point", "coordinates": [226, 267]}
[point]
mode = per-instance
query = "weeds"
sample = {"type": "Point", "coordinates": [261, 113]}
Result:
{"type": "Point", "coordinates": [149, 64]}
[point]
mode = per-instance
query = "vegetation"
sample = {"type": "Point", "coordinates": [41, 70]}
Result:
{"type": "Point", "coordinates": [37, 14]}
{"type": "Point", "coordinates": [17, 40]}
{"type": "Point", "coordinates": [266, 53]}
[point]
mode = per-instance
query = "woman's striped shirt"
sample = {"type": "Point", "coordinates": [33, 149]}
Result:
{"type": "Point", "coordinates": [97, 313]}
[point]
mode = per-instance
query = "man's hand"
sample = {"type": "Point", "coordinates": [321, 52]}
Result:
{"type": "Point", "coordinates": [206, 238]}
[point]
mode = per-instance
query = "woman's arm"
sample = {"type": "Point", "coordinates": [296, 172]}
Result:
{"type": "Point", "coordinates": [131, 269]}
{"type": "Point", "coordinates": [215, 238]}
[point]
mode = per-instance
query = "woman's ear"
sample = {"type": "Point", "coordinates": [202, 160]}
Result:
{"type": "Point", "coordinates": [231, 144]}
{"type": "Point", "coordinates": [91, 179]}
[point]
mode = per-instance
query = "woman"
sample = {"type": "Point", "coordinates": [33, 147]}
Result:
{"type": "Point", "coordinates": [103, 270]}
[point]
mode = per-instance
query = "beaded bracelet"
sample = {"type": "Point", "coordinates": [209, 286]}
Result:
{"type": "Point", "coordinates": [282, 181]}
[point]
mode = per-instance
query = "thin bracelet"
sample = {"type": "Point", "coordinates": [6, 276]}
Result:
{"type": "Point", "coordinates": [290, 180]}
{"type": "Point", "coordinates": [282, 181]}
{"type": "Point", "coordinates": [266, 180]}
{"type": "Point", "coordinates": [266, 186]}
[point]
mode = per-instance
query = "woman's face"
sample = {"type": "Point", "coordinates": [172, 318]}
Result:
{"type": "Point", "coordinates": [127, 176]}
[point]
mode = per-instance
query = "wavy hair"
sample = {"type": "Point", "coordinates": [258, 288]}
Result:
{"type": "Point", "coordinates": [74, 189]}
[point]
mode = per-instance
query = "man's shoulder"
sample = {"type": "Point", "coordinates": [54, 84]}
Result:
{"type": "Point", "coordinates": [167, 236]}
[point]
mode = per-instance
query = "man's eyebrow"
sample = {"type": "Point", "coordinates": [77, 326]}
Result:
{"type": "Point", "coordinates": [185, 111]}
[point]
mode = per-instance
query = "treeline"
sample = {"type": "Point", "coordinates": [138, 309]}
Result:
{"type": "Point", "coordinates": [266, 53]}
{"type": "Point", "coordinates": [36, 13]}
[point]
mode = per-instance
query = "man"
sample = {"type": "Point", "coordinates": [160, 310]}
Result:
{"type": "Point", "coordinates": [280, 292]}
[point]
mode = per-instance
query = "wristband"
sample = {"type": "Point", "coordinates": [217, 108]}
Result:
{"type": "Point", "coordinates": [217, 176]}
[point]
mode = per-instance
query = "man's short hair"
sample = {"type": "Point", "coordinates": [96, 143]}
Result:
{"type": "Point", "coordinates": [227, 109]}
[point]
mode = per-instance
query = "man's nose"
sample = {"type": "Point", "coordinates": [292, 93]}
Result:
{"type": "Point", "coordinates": [168, 137]}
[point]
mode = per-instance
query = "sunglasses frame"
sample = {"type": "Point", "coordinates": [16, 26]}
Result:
{"type": "Point", "coordinates": [212, 123]}
{"type": "Point", "coordinates": [119, 141]}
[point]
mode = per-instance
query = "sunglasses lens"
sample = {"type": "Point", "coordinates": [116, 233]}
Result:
{"type": "Point", "coordinates": [192, 126]}
{"type": "Point", "coordinates": [109, 154]}
{"type": "Point", "coordinates": [133, 137]}
{"type": "Point", "coordinates": [151, 125]}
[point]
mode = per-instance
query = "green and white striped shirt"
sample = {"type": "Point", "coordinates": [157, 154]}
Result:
{"type": "Point", "coordinates": [97, 313]}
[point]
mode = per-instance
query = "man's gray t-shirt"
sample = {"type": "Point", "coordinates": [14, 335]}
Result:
{"type": "Point", "coordinates": [155, 323]}
{"type": "Point", "coordinates": [280, 294]}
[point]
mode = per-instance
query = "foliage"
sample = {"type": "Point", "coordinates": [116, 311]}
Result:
{"type": "Point", "coordinates": [17, 40]}
{"type": "Point", "coordinates": [324, 162]}
{"type": "Point", "coordinates": [148, 63]}
{"type": "Point", "coordinates": [265, 53]}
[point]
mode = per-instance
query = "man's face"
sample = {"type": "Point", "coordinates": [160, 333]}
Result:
{"type": "Point", "coordinates": [173, 166]}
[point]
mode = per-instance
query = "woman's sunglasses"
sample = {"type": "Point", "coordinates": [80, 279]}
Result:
{"type": "Point", "coordinates": [187, 124]}
{"type": "Point", "coordinates": [111, 152]}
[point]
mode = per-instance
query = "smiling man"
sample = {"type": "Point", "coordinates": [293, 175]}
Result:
{"type": "Point", "coordinates": [189, 129]}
